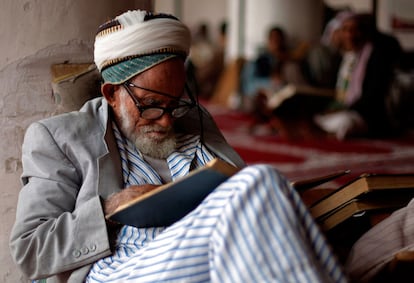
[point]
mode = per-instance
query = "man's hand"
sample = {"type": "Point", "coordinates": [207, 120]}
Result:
{"type": "Point", "coordinates": [126, 195]}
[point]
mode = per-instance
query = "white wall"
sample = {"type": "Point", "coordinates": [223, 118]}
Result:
{"type": "Point", "coordinates": [301, 20]}
{"type": "Point", "coordinates": [34, 35]}
{"type": "Point", "coordinates": [404, 8]}
{"type": "Point", "coordinates": [355, 5]}
{"type": "Point", "coordinates": [34, 25]}
{"type": "Point", "coordinates": [194, 12]}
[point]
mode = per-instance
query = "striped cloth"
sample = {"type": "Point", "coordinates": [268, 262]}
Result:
{"type": "Point", "coordinates": [252, 228]}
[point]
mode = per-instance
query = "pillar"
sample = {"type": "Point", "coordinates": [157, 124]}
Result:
{"type": "Point", "coordinates": [250, 20]}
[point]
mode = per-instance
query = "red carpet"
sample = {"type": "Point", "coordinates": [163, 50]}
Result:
{"type": "Point", "coordinates": [310, 157]}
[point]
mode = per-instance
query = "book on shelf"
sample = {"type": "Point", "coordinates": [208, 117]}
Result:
{"type": "Point", "coordinates": [365, 186]}
{"type": "Point", "coordinates": [170, 202]}
{"type": "Point", "coordinates": [361, 207]}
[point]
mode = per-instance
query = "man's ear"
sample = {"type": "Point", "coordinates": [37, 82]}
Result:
{"type": "Point", "coordinates": [108, 90]}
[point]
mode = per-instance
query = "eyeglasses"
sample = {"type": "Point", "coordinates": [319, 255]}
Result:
{"type": "Point", "coordinates": [153, 112]}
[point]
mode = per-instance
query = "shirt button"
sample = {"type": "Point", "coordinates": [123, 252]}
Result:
{"type": "Point", "coordinates": [92, 248]}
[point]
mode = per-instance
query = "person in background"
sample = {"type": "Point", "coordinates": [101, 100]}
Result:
{"type": "Point", "coordinates": [363, 83]}
{"type": "Point", "coordinates": [208, 69]}
{"type": "Point", "coordinates": [322, 61]}
{"type": "Point", "coordinates": [261, 114]}
{"type": "Point", "coordinates": [202, 45]}
{"type": "Point", "coordinates": [146, 130]}
{"type": "Point", "coordinates": [277, 65]}
{"type": "Point", "coordinates": [258, 75]}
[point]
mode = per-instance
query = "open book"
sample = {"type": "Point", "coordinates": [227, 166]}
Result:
{"type": "Point", "coordinates": [297, 100]}
{"type": "Point", "coordinates": [170, 202]}
{"type": "Point", "coordinates": [290, 90]}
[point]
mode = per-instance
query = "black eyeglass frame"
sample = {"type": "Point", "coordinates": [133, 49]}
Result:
{"type": "Point", "coordinates": [171, 110]}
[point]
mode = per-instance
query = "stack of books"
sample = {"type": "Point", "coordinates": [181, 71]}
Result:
{"type": "Point", "coordinates": [367, 194]}
{"type": "Point", "coordinates": [348, 212]}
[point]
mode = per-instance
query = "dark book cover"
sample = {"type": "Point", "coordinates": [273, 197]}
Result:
{"type": "Point", "coordinates": [170, 202]}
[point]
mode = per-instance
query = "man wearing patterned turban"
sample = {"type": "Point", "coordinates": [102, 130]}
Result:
{"type": "Point", "coordinates": [147, 129]}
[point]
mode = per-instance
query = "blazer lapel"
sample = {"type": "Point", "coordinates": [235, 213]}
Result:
{"type": "Point", "coordinates": [110, 178]}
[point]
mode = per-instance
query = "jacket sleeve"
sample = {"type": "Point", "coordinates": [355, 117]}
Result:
{"type": "Point", "coordinates": [54, 233]}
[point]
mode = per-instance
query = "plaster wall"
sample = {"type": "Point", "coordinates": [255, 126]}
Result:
{"type": "Point", "coordinates": [300, 19]}
{"type": "Point", "coordinates": [34, 34]}
{"type": "Point", "coordinates": [194, 12]}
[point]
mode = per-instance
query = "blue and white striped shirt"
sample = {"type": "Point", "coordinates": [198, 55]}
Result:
{"type": "Point", "coordinates": [252, 228]}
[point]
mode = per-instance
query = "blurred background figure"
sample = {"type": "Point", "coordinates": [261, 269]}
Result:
{"type": "Point", "coordinates": [322, 62]}
{"type": "Point", "coordinates": [277, 65]}
{"type": "Point", "coordinates": [369, 60]}
{"type": "Point", "coordinates": [207, 58]}
{"type": "Point", "coordinates": [201, 54]}
{"type": "Point", "coordinates": [258, 75]}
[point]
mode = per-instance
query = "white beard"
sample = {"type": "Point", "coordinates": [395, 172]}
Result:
{"type": "Point", "coordinates": [156, 148]}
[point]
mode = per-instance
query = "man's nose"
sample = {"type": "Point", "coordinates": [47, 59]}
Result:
{"type": "Point", "coordinates": [165, 120]}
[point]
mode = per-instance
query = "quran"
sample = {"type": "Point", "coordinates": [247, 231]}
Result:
{"type": "Point", "coordinates": [364, 187]}
{"type": "Point", "coordinates": [362, 207]}
{"type": "Point", "coordinates": [299, 100]}
{"type": "Point", "coordinates": [170, 202]}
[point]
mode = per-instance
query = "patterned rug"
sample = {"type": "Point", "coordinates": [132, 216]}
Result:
{"type": "Point", "coordinates": [307, 156]}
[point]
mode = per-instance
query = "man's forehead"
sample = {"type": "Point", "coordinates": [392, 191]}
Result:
{"type": "Point", "coordinates": [153, 93]}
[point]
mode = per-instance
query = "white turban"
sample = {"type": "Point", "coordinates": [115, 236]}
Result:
{"type": "Point", "coordinates": [137, 40]}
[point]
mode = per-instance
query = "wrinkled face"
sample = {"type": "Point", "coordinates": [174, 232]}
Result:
{"type": "Point", "coordinates": [153, 137]}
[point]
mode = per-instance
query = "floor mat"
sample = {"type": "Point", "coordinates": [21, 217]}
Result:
{"type": "Point", "coordinates": [309, 157]}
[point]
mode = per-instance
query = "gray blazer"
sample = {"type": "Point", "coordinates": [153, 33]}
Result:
{"type": "Point", "coordinates": [71, 163]}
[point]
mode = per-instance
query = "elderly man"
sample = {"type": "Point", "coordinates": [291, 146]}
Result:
{"type": "Point", "coordinates": [147, 130]}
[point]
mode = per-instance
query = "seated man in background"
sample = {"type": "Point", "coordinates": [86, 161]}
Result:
{"type": "Point", "coordinates": [364, 81]}
{"type": "Point", "coordinates": [275, 65]}
{"type": "Point", "coordinates": [324, 58]}
{"type": "Point", "coordinates": [147, 130]}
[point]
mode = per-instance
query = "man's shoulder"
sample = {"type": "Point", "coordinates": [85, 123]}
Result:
{"type": "Point", "coordinates": [88, 117]}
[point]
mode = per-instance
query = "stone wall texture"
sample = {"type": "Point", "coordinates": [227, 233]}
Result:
{"type": "Point", "coordinates": [35, 34]}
